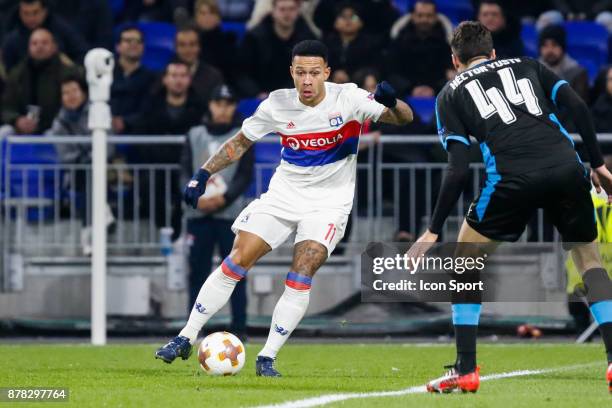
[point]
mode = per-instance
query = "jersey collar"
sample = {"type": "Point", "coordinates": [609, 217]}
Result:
{"type": "Point", "coordinates": [317, 106]}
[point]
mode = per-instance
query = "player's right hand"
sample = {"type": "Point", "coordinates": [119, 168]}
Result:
{"type": "Point", "coordinates": [602, 178]}
{"type": "Point", "coordinates": [196, 188]}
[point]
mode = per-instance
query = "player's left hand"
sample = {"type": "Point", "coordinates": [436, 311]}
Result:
{"type": "Point", "coordinates": [422, 245]}
{"type": "Point", "coordinates": [385, 95]}
{"type": "Point", "coordinates": [602, 178]}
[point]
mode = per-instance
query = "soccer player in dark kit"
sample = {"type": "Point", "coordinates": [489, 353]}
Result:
{"type": "Point", "coordinates": [510, 106]}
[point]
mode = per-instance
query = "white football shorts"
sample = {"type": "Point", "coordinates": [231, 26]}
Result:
{"type": "Point", "coordinates": [285, 209]}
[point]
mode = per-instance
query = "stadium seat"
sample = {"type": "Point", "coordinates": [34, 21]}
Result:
{"type": "Point", "coordinates": [159, 43]}
{"type": "Point", "coordinates": [456, 10]}
{"type": "Point", "coordinates": [247, 107]}
{"type": "Point", "coordinates": [587, 42]}
{"type": "Point", "coordinates": [116, 7]}
{"type": "Point", "coordinates": [423, 107]}
{"type": "Point", "coordinates": [529, 35]}
{"type": "Point", "coordinates": [30, 182]}
{"type": "Point", "coordinates": [237, 27]}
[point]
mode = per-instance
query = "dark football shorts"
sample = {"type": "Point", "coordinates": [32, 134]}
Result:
{"type": "Point", "coordinates": [506, 204]}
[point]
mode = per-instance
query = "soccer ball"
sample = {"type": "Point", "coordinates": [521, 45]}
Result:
{"type": "Point", "coordinates": [221, 353]}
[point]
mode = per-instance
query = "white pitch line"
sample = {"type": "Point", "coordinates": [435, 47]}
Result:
{"type": "Point", "coordinates": [330, 398]}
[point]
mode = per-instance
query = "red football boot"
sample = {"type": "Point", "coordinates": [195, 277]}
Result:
{"type": "Point", "coordinates": [609, 377]}
{"type": "Point", "coordinates": [452, 381]}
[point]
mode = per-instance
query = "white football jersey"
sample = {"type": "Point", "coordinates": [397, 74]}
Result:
{"type": "Point", "coordinates": [319, 143]}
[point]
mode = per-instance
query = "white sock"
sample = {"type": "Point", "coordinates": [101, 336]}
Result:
{"type": "Point", "coordinates": [288, 313]}
{"type": "Point", "coordinates": [213, 295]}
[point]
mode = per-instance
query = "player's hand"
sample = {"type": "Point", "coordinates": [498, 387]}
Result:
{"type": "Point", "coordinates": [195, 188]}
{"type": "Point", "coordinates": [385, 95]}
{"type": "Point", "coordinates": [602, 178]}
{"type": "Point", "coordinates": [422, 245]}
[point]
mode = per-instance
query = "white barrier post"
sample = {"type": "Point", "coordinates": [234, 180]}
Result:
{"type": "Point", "coordinates": [99, 64]}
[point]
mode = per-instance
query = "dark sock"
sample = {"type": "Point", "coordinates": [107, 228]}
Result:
{"type": "Point", "coordinates": [465, 339]}
{"type": "Point", "coordinates": [606, 334]}
{"type": "Point", "coordinates": [599, 294]}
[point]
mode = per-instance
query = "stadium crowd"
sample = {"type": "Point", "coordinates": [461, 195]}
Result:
{"type": "Point", "coordinates": [172, 56]}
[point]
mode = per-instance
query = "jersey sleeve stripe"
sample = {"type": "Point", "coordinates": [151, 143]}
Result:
{"type": "Point", "coordinates": [458, 138]}
{"type": "Point", "coordinates": [553, 94]}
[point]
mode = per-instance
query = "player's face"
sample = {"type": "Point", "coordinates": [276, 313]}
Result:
{"type": "Point", "coordinates": [222, 111]}
{"type": "Point", "coordinates": [551, 52]}
{"type": "Point", "coordinates": [309, 75]}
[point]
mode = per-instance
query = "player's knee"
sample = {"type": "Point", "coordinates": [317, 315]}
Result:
{"type": "Point", "coordinates": [308, 258]}
{"type": "Point", "coordinates": [239, 258]}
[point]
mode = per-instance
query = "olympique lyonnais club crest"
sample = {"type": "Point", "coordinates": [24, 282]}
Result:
{"type": "Point", "coordinates": [335, 119]}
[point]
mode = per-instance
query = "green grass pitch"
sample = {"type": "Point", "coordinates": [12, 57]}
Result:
{"type": "Point", "coordinates": [129, 376]}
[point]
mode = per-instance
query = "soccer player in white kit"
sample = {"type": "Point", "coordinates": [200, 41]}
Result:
{"type": "Point", "coordinates": [311, 192]}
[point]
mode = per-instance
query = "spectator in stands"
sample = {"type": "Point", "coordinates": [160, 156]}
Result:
{"type": "Point", "coordinates": [582, 9]}
{"type": "Point", "coordinates": [93, 19]}
{"type": "Point", "coordinates": [419, 58]}
{"type": "Point", "coordinates": [378, 15]}
{"type": "Point", "coordinates": [218, 47]}
{"type": "Point", "coordinates": [35, 14]}
{"type": "Point", "coordinates": [552, 45]}
{"type": "Point", "coordinates": [72, 121]}
{"type": "Point", "coordinates": [172, 110]}
{"type": "Point", "coordinates": [209, 227]}
{"type": "Point", "coordinates": [131, 80]}
{"type": "Point", "coordinates": [204, 76]}
{"type": "Point", "coordinates": [33, 95]}
{"type": "Point", "coordinates": [153, 10]}
{"type": "Point", "coordinates": [349, 48]}
{"type": "Point", "coordinates": [506, 29]}
{"type": "Point", "coordinates": [602, 108]}
{"type": "Point", "coordinates": [262, 8]}
{"type": "Point", "coordinates": [265, 54]}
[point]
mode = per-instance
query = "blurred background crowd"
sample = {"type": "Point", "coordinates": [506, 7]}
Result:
{"type": "Point", "coordinates": [173, 53]}
{"type": "Point", "coordinates": [184, 66]}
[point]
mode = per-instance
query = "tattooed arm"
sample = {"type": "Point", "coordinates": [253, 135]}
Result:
{"type": "Point", "coordinates": [400, 115]}
{"type": "Point", "coordinates": [229, 152]}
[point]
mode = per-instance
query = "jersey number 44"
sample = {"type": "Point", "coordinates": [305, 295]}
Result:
{"type": "Point", "coordinates": [493, 101]}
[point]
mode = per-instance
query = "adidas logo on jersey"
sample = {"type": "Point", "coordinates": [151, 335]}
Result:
{"type": "Point", "coordinates": [290, 125]}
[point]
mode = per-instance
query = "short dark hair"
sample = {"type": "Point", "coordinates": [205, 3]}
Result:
{"type": "Point", "coordinates": [429, 2]}
{"type": "Point", "coordinates": [43, 3]}
{"type": "Point", "coordinates": [310, 48]}
{"type": "Point", "coordinates": [188, 28]}
{"type": "Point", "coordinates": [471, 39]}
{"type": "Point", "coordinates": [175, 61]}
{"type": "Point", "coordinates": [130, 27]}
{"type": "Point", "coordinates": [75, 78]}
